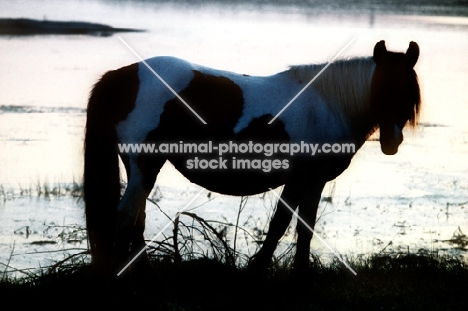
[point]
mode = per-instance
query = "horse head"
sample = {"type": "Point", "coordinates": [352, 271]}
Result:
{"type": "Point", "coordinates": [395, 96]}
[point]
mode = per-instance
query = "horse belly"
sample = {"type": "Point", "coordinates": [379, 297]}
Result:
{"type": "Point", "coordinates": [225, 176]}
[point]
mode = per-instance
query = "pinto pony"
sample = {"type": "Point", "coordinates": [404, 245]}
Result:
{"type": "Point", "coordinates": [346, 104]}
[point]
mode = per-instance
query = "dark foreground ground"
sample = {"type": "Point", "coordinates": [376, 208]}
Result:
{"type": "Point", "coordinates": [401, 282]}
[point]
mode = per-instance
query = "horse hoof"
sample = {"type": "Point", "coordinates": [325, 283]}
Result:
{"type": "Point", "coordinates": [258, 266]}
{"type": "Point", "coordinates": [142, 268]}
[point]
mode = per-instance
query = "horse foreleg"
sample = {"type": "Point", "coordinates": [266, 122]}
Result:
{"type": "Point", "coordinates": [308, 205]}
{"type": "Point", "coordinates": [278, 225]}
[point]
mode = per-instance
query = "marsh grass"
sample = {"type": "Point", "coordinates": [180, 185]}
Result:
{"type": "Point", "coordinates": [182, 278]}
{"type": "Point", "coordinates": [42, 190]}
{"type": "Point", "coordinates": [383, 282]}
{"type": "Point", "coordinates": [200, 266]}
{"type": "Point", "coordinates": [194, 237]}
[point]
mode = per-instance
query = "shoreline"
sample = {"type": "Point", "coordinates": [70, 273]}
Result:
{"type": "Point", "coordinates": [26, 26]}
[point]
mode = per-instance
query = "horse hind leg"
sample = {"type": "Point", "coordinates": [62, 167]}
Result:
{"type": "Point", "coordinates": [137, 244]}
{"type": "Point", "coordinates": [131, 215]}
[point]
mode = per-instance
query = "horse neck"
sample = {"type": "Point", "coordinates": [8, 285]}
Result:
{"type": "Point", "coordinates": [346, 87]}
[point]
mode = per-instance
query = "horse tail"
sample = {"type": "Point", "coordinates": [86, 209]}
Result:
{"type": "Point", "coordinates": [108, 104]}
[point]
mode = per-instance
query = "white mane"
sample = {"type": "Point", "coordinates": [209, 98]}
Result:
{"type": "Point", "coordinates": [345, 85]}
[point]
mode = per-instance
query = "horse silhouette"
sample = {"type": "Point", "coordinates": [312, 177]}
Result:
{"type": "Point", "coordinates": [346, 104]}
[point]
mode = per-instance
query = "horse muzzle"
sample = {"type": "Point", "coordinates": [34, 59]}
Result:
{"type": "Point", "coordinates": [390, 140]}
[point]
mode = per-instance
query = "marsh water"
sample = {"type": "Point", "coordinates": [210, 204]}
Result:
{"type": "Point", "coordinates": [412, 201]}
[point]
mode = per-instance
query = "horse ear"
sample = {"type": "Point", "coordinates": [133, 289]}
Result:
{"type": "Point", "coordinates": [379, 51]}
{"type": "Point", "coordinates": [412, 54]}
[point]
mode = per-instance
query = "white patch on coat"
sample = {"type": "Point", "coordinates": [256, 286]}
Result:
{"type": "Point", "coordinates": [153, 95]}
